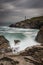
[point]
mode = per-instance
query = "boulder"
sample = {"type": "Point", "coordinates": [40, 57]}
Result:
{"type": "Point", "coordinates": [39, 37]}
{"type": "Point", "coordinates": [4, 43]}
{"type": "Point", "coordinates": [16, 41]}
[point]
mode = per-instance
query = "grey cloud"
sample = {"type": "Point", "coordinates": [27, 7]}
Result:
{"type": "Point", "coordinates": [35, 3]}
{"type": "Point", "coordinates": [4, 14]}
{"type": "Point", "coordinates": [16, 10]}
{"type": "Point", "coordinates": [19, 5]}
{"type": "Point", "coordinates": [25, 3]}
{"type": "Point", "coordinates": [3, 1]}
{"type": "Point", "coordinates": [30, 4]}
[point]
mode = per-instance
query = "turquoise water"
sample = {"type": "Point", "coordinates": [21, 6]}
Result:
{"type": "Point", "coordinates": [26, 37]}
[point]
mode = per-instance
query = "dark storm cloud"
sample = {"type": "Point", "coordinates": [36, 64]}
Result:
{"type": "Point", "coordinates": [4, 14]}
{"type": "Point", "coordinates": [29, 3]}
{"type": "Point", "coordinates": [25, 3]}
{"type": "Point", "coordinates": [35, 3]}
{"type": "Point", "coordinates": [16, 10]}
{"type": "Point", "coordinates": [3, 1]}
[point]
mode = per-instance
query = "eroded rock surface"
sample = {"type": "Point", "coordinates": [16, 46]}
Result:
{"type": "Point", "coordinates": [4, 43]}
{"type": "Point", "coordinates": [34, 55]}
{"type": "Point", "coordinates": [39, 37]}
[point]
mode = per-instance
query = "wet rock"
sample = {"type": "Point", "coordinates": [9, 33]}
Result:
{"type": "Point", "coordinates": [8, 50]}
{"type": "Point", "coordinates": [39, 37]}
{"type": "Point", "coordinates": [4, 43]}
{"type": "Point", "coordinates": [8, 61]}
{"type": "Point", "coordinates": [16, 41]}
{"type": "Point", "coordinates": [34, 55]}
{"type": "Point", "coordinates": [30, 51]}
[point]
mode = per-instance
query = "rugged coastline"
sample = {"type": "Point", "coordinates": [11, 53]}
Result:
{"type": "Point", "coordinates": [39, 37]}
{"type": "Point", "coordinates": [33, 23]}
{"type": "Point", "coordinates": [31, 55]}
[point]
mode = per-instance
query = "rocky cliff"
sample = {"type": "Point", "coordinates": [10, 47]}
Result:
{"type": "Point", "coordinates": [34, 23]}
{"type": "Point", "coordinates": [39, 37]}
{"type": "Point", "coordinates": [4, 43]}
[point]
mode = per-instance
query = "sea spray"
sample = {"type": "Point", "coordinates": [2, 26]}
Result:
{"type": "Point", "coordinates": [26, 37]}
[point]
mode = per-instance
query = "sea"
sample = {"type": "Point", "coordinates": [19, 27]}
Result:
{"type": "Point", "coordinates": [25, 36]}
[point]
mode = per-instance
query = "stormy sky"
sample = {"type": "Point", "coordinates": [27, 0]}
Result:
{"type": "Point", "coordinates": [12, 11]}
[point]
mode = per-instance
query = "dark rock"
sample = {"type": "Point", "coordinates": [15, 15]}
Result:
{"type": "Point", "coordinates": [36, 24]}
{"type": "Point", "coordinates": [16, 41]}
{"type": "Point", "coordinates": [12, 25]}
{"type": "Point", "coordinates": [4, 43]}
{"type": "Point", "coordinates": [8, 60]}
{"type": "Point", "coordinates": [31, 51]}
{"type": "Point", "coordinates": [39, 37]}
{"type": "Point", "coordinates": [8, 50]}
{"type": "Point", "coordinates": [34, 55]}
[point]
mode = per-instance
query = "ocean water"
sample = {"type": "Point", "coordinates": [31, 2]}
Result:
{"type": "Point", "coordinates": [26, 37]}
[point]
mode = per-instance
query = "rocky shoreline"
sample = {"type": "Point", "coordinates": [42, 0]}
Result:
{"type": "Point", "coordinates": [29, 56]}
{"type": "Point", "coordinates": [33, 23]}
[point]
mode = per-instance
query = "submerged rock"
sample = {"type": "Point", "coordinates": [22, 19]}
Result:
{"type": "Point", "coordinates": [16, 41]}
{"type": "Point", "coordinates": [39, 37]}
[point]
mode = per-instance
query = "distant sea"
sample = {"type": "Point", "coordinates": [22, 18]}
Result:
{"type": "Point", "coordinates": [26, 37]}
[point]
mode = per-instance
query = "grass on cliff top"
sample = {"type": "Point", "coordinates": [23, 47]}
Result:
{"type": "Point", "coordinates": [40, 18]}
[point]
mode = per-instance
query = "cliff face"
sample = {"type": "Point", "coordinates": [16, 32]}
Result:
{"type": "Point", "coordinates": [34, 23]}
{"type": "Point", "coordinates": [39, 37]}
{"type": "Point", "coordinates": [4, 43]}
